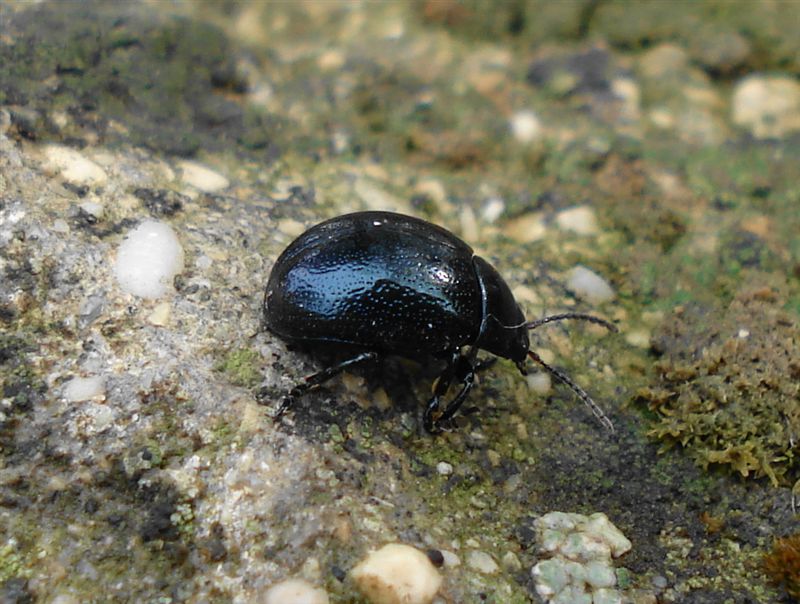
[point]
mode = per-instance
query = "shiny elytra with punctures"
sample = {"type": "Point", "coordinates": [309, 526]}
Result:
{"type": "Point", "coordinates": [381, 283]}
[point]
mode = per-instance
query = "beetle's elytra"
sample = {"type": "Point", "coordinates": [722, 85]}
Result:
{"type": "Point", "coordinates": [382, 283]}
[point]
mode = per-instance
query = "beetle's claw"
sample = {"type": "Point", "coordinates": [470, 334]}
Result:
{"type": "Point", "coordinates": [285, 404]}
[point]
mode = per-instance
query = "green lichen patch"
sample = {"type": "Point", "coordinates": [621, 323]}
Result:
{"type": "Point", "coordinates": [727, 385]}
{"type": "Point", "coordinates": [241, 367]}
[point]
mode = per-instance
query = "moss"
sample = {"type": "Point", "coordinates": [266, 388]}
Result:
{"type": "Point", "coordinates": [726, 385]}
{"type": "Point", "coordinates": [782, 564]}
{"type": "Point", "coordinates": [242, 367]}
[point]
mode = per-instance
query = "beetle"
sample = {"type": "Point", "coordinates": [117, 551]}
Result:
{"type": "Point", "coordinates": [381, 284]}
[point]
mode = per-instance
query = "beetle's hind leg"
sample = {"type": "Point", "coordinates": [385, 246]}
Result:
{"type": "Point", "coordinates": [314, 380]}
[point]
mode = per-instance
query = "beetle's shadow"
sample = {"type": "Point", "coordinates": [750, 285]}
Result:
{"type": "Point", "coordinates": [359, 403]}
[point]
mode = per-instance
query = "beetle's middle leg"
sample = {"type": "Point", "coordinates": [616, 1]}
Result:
{"type": "Point", "coordinates": [314, 380]}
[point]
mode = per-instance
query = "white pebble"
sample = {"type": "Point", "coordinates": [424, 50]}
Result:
{"type": "Point", "coordinates": [539, 382]}
{"type": "Point", "coordinates": [580, 219]}
{"type": "Point", "coordinates": [84, 389]}
{"type": "Point", "coordinates": [526, 126]}
{"type": "Point", "coordinates": [493, 209]}
{"type": "Point", "coordinates": [74, 167]}
{"type": "Point", "coordinates": [639, 338]}
{"type": "Point", "coordinates": [160, 315]}
{"type": "Point", "coordinates": [451, 560]}
{"type": "Point", "coordinates": [444, 468]}
{"type": "Point", "coordinates": [294, 591]}
{"type": "Point", "coordinates": [397, 574]}
{"type": "Point", "coordinates": [482, 562]}
{"type": "Point", "coordinates": [767, 106]}
{"type": "Point", "coordinates": [101, 416]}
{"type": "Point", "coordinates": [202, 177]}
{"type": "Point", "coordinates": [149, 259]}
{"type": "Point", "coordinates": [60, 226]}
{"type": "Point", "coordinates": [92, 208]}
{"type": "Point", "coordinates": [589, 285]}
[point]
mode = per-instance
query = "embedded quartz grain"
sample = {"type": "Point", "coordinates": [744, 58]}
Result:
{"type": "Point", "coordinates": [74, 167]}
{"type": "Point", "coordinates": [526, 126]}
{"type": "Point", "coordinates": [397, 574]}
{"type": "Point", "coordinates": [589, 285]}
{"type": "Point", "coordinates": [580, 219]}
{"type": "Point", "coordinates": [84, 389]}
{"type": "Point", "coordinates": [203, 178]}
{"type": "Point", "coordinates": [581, 549]}
{"type": "Point", "coordinates": [768, 106]}
{"type": "Point", "coordinates": [295, 591]}
{"type": "Point", "coordinates": [149, 259]}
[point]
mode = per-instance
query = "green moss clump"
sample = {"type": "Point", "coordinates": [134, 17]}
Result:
{"type": "Point", "coordinates": [242, 367]}
{"type": "Point", "coordinates": [727, 385]}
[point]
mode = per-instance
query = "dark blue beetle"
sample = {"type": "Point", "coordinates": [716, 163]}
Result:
{"type": "Point", "coordinates": [380, 284]}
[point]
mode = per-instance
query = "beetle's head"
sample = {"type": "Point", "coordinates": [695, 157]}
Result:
{"type": "Point", "coordinates": [503, 331]}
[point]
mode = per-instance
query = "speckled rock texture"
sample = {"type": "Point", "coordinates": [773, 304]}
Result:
{"type": "Point", "coordinates": [648, 148]}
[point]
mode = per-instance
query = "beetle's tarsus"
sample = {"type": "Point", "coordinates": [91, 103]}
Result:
{"type": "Point", "coordinates": [282, 408]}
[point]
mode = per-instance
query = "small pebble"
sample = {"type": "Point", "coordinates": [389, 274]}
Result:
{"type": "Point", "coordinates": [527, 228]}
{"type": "Point", "coordinates": [84, 389]}
{"type": "Point", "coordinates": [74, 167]}
{"type": "Point", "coordinates": [639, 338]}
{"type": "Point", "coordinates": [511, 562]}
{"type": "Point", "coordinates": [148, 260]}
{"type": "Point", "coordinates": [493, 209]}
{"type": "Point", "coordinates": [92, 208]}
{"type": "Point", "coordinates": [436, 557]}
{"type": "Point", "coordinates": [589, 285]}
{"type": "Point", "coordinates": [540, 382]}
{"type": "Point", "coordinates": [202, 177]}
{"type": "Point", "coordinates": [482, 562]}
{"type": "Point", "coordinates": [397, 574]}
{"type": "Point", "coordinates": [444, 468]}
{"type": "Point", "coordinates": [580, 219]}
{"type": "Point", "coordinates": [526, 126]}
{"type": "Point", "coordinates": [659, 581]}
{"type": "Point", "coordinates": [294, 591]}
{"type": "Point", "coordinates": [769, 106]}
{"type": "Point", "coordinates": [451, 560]}
{"type": "Point", "coordinates": [160, 315]}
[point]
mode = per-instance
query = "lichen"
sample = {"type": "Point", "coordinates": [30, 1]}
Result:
{"type": "Point", "coordinates": [241, 367]}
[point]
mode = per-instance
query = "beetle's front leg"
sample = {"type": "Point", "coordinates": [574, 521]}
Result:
{"type": "Point", "coordinates": [461, 367]}
{"type": "Point", "coordinates": [440, 387]}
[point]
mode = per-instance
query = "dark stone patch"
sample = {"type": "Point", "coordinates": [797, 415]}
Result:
{"type": "Point", "coordinates": [172, 81]}
{"type": "Point", "coordinates": [161, 202]}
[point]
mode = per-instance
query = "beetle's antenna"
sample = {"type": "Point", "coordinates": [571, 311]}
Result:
{"type": "Point", "coordinates": [571, 315]}
{"type": "Point", "coordinates": [580, 392]}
